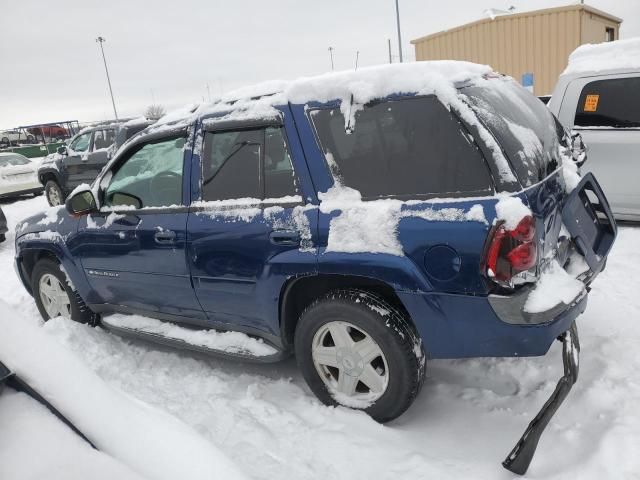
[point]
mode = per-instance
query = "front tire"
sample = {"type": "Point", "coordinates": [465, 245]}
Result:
{"type": "Point", "coordinates": [356, 350]}
{"type": "Point", "coordinates": [54, 194]}
{"type": "Point", "coordinates": [55, 297]}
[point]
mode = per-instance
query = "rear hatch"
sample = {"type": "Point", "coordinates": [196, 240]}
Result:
{"type": "Point", "coordinates": [569, 216]}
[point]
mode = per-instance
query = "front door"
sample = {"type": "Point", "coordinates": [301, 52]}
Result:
{"type": "Point", "coordinates": [133, 250]}
{"type": "Point", "coordinates": [249, 230]}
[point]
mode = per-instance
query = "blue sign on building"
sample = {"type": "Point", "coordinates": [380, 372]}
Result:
{"type": "Point", "coordinates": [527, 81]}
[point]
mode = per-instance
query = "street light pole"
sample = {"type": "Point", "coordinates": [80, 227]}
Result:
{"type": "Point", "coordinates": [399, 36]}
{"type": "Point", "coordinates": [101, 40]}
{"type": "Point", "coordinates": [331, 55]}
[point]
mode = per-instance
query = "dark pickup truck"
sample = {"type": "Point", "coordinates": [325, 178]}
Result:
{"type": "Point", "coordinates": [83, 158]}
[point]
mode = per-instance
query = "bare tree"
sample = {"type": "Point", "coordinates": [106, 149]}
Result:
{"type": "Point", "coordinates": [154, 112]}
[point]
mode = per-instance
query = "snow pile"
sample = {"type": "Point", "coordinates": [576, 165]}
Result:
{"type": "Point", "coordinates": [554, 286]}
{"type": "Point", "coordinates": [569, 170]}
{"type": "Point", "coordinates": [618, 55]}
{"type": "Point", "coordinates": [28, 427]}
{"type": "Point", "coordinates": [230, 342]}
{"type": "Point", "coordinates": [372, 226]}
{"type": "Point", "coordinates": [511, 210]}
{"type": "Point", "coordinates": [149, 441]}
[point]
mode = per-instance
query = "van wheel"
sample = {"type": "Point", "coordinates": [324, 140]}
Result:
{"type": "Point", "coordinates": [54, 296]}
{"type": "Point", "coordinates": [53, 192]}
{"type": "Point", "coordinates": [356, 350]}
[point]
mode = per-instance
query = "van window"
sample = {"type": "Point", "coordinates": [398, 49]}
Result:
{"type": "Point", "coordinates": [611, 103]}
{"type": "Point", "coordinates": [402, 148]}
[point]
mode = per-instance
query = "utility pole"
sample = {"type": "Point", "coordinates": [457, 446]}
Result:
{"type": "Point", "coordinates": [331, 56]}
{"type": "Point", "coordinates": [399, 36]}
{"type": "Point", "coordinates": [357, 56]}
{"type": "Point", "coordinates": [389, 48]}
{"type": "Point", "coordinates": [101, 40]}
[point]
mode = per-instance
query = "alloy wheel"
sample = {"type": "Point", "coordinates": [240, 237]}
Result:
{"type": "Point", "coordinates": [350, 363]}
{"type": "Point", "coordinates": [54, 297]}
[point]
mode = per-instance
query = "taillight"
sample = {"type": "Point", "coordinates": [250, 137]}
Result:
{"type": "Point", "coordinates": [511, 251]}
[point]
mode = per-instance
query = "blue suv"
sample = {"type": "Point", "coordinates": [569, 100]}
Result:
{"type": "Point", "coordinates": [366, 221]}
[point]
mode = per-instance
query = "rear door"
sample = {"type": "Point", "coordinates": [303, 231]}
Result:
{"type": "Point", "coordinates": [133, 251]}
{"type": "Point", "coordinates": [607, 115]}
{"type": "Point", "coordinates": [249, 229]}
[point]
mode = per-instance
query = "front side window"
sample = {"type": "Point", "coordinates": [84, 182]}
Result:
{"type": "Point", "coordinates": [150, 177]}
{"type": "Point", "coordinates": [611, 103]}
{"type": "Point", "coordinates": [81, 144]}
{"type": "Point", "coordinates": [103, 139]}
{"type": "Point", "coordinates": [403, 148]}
{"type": "Point", "coordinates": [246, 164]}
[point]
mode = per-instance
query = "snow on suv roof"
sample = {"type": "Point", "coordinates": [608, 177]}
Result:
{"type": "Point", "coordinates": [618, 55]}
{"type": "Point", "coordinates": [357, 87]}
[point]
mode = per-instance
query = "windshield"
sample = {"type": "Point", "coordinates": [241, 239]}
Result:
{"type": "Point", "coordinates": [525, 128]}
{"type": "Point", "coordinates": [7, 160]}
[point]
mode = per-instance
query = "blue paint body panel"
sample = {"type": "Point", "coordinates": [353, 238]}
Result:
{"type": "Point", "coordinates": [230, 273]}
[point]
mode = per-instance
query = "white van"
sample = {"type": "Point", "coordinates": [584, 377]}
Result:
{"type": "Point", "coordinates": [598, 96]}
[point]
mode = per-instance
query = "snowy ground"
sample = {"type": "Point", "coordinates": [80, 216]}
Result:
{"type": "Point", "coordinates": [466, 419]}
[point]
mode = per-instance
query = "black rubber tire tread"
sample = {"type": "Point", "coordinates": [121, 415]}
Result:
{"type": "Point", "coordinates": [79, 310]}
{"type": "Point", "coordinates": [53, 184]}
{"type": "Point", "coordinates": [394, 333]}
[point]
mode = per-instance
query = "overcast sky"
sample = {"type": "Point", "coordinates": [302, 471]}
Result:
{"type": "Point", "coordinates": [168, 51]}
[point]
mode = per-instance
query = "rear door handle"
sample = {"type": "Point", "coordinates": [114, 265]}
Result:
{"type": "Point", "coordinates": [165, 237]}
{"type": "Point", "coordinates": [285, 237]}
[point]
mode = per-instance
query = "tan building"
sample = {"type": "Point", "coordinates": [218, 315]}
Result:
{"type": "Point", "coordinates": [532, 47]}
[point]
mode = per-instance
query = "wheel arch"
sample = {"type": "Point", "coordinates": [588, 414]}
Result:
{"type": "Point", "coordinates": [299, 292]}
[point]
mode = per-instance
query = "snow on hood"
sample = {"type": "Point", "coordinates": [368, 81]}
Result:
{"type": "Point", "coordinates": [149, 441]}
{"type": "Point", "coordinates": [621, 54]}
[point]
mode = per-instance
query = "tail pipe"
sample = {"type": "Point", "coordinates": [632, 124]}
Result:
{"type": "Point", "coordinates": [520, 457]}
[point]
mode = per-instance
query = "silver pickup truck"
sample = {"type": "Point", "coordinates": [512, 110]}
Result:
{"type": "Point", "coordinates": [599, 97]}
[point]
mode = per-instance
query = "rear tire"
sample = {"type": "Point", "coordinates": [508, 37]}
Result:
{"type": "Point", "coordinates": [54, 194]}
{"type": "Point", "coordinates": [370, 323]}
{"type": "Point", "coordinates": [49, 282]}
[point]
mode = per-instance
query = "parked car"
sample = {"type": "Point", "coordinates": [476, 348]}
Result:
{"type": "Point", "coordinates": [83, 158]}
{"type": "Point", "coordinates": [597, 96]}
{"type": "Point", "coordinates": [14, 137]}
{"type": "Point", "coordinates": [49, 131]}
{"type": "Point", "coordinates": [17, 175]}
{"type": "Point", "coordinates": [3, 226]}
{"type": "Point", "coordinates": [365, 234]}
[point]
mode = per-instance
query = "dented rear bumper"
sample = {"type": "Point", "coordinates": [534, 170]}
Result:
{"type": "Point", "coordinates": [519, 459]}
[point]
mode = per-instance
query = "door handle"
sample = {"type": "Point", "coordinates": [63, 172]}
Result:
{"type": "Point", "coordinates": [165, 237]}
{"type": "Point", "coordinates": [285, 237]}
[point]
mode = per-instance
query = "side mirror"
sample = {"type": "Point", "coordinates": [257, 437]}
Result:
{"type": "Point", "coordinates": [81, 203]}
{"type": "Point", "coordinates": [578, 149]}
{"type": "Point", "coordinates": [62, 150]}
{"type": "Point", "coordinates": [122, 199]}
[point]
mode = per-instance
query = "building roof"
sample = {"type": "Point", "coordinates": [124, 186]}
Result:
{"type": "Point", "coordinates": [531, 13]}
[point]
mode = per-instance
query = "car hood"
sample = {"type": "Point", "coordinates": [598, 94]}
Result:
{"type": "Point", "coordinates": [53, 219]}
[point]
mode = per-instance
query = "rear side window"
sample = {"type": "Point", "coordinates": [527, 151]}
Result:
{"type": "Point", "coordinates": [247, 164]}
{"type": "Point", "coordinates": [402, 148]}
{"type": "Point", "coordinates": [610, 103]}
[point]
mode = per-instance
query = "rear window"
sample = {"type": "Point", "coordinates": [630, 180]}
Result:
{"type": "Point", "coordinates": [524, 127]}
{"type": "Point", "coordinates": [406, 148]}
{"type": "Point", "coordinates": [611, 103]}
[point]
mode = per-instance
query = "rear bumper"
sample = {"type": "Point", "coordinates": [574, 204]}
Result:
{"type": "Point", "coordinates": [510, 309]}
{"type": "Point", "coordinates": [20, 189]}
{"type": "Point", "coordinates": [464, 326]}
